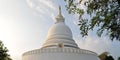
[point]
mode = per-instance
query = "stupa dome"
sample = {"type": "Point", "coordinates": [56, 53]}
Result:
{"type": "Point", "coordinates": [59, 34]}
{"type": "Point", "coordinates": [60, 29]}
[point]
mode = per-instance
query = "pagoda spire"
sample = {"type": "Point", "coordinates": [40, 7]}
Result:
{"type": "Point", "coordinates": [59, 17]}
{"type": "Point", "coordinates": [59, 10]}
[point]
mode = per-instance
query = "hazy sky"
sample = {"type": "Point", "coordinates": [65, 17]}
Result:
{"type": "Point", "coordinates": [24, 25]}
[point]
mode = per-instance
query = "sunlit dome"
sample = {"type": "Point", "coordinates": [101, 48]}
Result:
{"type": "Point", "coordinates": [59, 33]}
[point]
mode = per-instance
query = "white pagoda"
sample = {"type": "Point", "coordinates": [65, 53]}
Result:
{"type": "Point", "coordinates": [60, 45]}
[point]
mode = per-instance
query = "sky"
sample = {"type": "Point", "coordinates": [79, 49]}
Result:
{"type": "Point", "coordinates": [24, 25]}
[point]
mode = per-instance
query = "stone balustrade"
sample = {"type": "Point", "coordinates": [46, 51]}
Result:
{"type": "Point", "coordinates": [60, 50]}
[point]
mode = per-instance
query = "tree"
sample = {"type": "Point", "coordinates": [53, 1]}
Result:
{"type": "Point", "coordinates": [109, 58]}
{"type": "Point", "coordinates": [105, 56]}
{"type": "Point", "coordinates": [118, 58]}
{"type": "Point", "coordinates": [105, 15]}
{"type": "Point", "coordinates": [3, 52]}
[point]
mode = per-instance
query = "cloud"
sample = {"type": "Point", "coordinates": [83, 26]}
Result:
{"type": "Point", "coordinates": [95, 44]}
{"type": "Point", "coordinates": [99, 45]}
{"type": "Point", "coordinates": [42, 7]}
{"type": "Point", "coordinates": [53, 17]}
{"type": "Point", "coordinates": [48, 3]}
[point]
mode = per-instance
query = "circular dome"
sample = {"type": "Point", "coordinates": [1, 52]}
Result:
{"type": "Point", "coordinates": [59, 35]}
{"type": "Point", "coordinates": [59, 29]}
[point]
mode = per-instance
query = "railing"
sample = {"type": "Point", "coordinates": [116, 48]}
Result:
{"type": "Point", "coordinates": [59, 50]}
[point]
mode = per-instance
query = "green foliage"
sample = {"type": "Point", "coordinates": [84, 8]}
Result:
{"type": "Point", "coordinates": [109, 58]}
{"type": "Point", "coordinates": [3, 52]}
{"type": "Point", "coordinates": [105, 15]}
{"type": "Point", "coordinates": [118, 58]}
{"type": "Point", "coordinates": [105, 56]}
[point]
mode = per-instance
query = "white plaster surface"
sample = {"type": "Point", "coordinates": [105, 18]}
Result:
{"type": "Point", "coordinates": [60, 56]}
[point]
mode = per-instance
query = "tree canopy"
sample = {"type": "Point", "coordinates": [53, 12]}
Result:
{"type": "Point", "coordinates": [118, 58]}
{"type": "Point", "coordinates": [105, 56]}
{"type": "Point", "coordinates": [109, 58]}
{"type": "Point", "coordinates": [3, 52]}
{"type": "Point", "coordinates": [104, 14]}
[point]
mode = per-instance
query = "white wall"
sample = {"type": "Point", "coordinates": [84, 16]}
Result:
{"type": "Point", "coordinates": [60, 56]}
